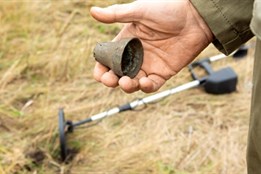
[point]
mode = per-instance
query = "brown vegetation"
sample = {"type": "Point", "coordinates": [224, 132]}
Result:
{"type": "Point", "coordinates": [46, 62]}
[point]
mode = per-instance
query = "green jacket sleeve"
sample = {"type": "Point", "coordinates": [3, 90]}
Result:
{"type": "Point", "coordinates": [229, 21]}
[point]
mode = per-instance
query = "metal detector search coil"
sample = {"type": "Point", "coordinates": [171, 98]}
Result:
{"type": "Point", "coordinates": [212, 83]}
{"type": "Point", "coordinates": [62, 131]}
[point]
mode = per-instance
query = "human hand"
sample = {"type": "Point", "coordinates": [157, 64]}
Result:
{"type": "Point", "coordinates": [172, 33]}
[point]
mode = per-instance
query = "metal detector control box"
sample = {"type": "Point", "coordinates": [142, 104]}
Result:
{"type": "Point", "coordinates": [215, 82]}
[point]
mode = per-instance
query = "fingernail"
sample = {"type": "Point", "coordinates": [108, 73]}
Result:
{"type": "Point", "coordinates": [97, 9]}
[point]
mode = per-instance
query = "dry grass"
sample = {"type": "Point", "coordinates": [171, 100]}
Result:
{"type": "Point", "coordinates": [46, 62]}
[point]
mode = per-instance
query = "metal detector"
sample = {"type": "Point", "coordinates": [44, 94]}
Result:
{"type": "Point", "coordinates": [215, 82]}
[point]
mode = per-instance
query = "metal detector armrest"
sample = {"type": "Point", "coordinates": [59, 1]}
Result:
{"type": "Point", "coordinates": [222, 81]}
{"type": "Point", "coordinates": [215, 82]}
{"type": "Point", "coordinates": [205, 64]}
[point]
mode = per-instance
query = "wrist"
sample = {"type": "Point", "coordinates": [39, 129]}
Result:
{"type": "Point", "coordinates": [202, 23]}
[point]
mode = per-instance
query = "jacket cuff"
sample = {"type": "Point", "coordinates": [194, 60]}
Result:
{"type": "Point", "coordinates": [228, 20]}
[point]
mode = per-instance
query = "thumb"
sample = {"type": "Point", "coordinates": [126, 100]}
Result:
{"type": "Point", "coordinates": [124, 13]}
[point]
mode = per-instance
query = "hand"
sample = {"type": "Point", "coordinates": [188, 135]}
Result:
{"type": "Point", "coordinates": [172, 33]}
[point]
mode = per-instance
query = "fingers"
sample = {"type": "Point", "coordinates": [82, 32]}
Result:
{"type": "Point", "coordinates": [152, 83]}
{"type": "Point", "coordinates": [124, 13]}
{"type": "Point", "coordinates": [129, 85]}
{"type": "Point", "coordinates": [142, 82]}
{"type": "Point", "coordinates": [104, 75]}
{"type": "Point", "coordinates": [149, 84]}
{"type": "Point", "coordinates": [98, 71]}
{"type": "Point", "coordinates": [110, 79]}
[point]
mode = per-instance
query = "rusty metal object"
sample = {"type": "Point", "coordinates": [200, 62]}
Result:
{"type": "Point", "coordinates": [123, 57]}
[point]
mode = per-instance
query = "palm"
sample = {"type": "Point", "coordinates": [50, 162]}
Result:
{"type": "Point", "coordinates": [170, 41]}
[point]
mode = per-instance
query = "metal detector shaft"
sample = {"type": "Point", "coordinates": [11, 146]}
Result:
{"type": "Point", "coordinates": [130, 106]}
{"type": "Point", "coordinates": [66, 126]}
{"type": "Point", "coordinates": [139, 102]}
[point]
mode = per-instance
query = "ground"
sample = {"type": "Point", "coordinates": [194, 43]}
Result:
{"type": "Point", "coordinates": [46, 62]}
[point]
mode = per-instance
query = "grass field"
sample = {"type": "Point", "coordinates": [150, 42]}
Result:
{"type": "Point", "coordinates": [46, 63]}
